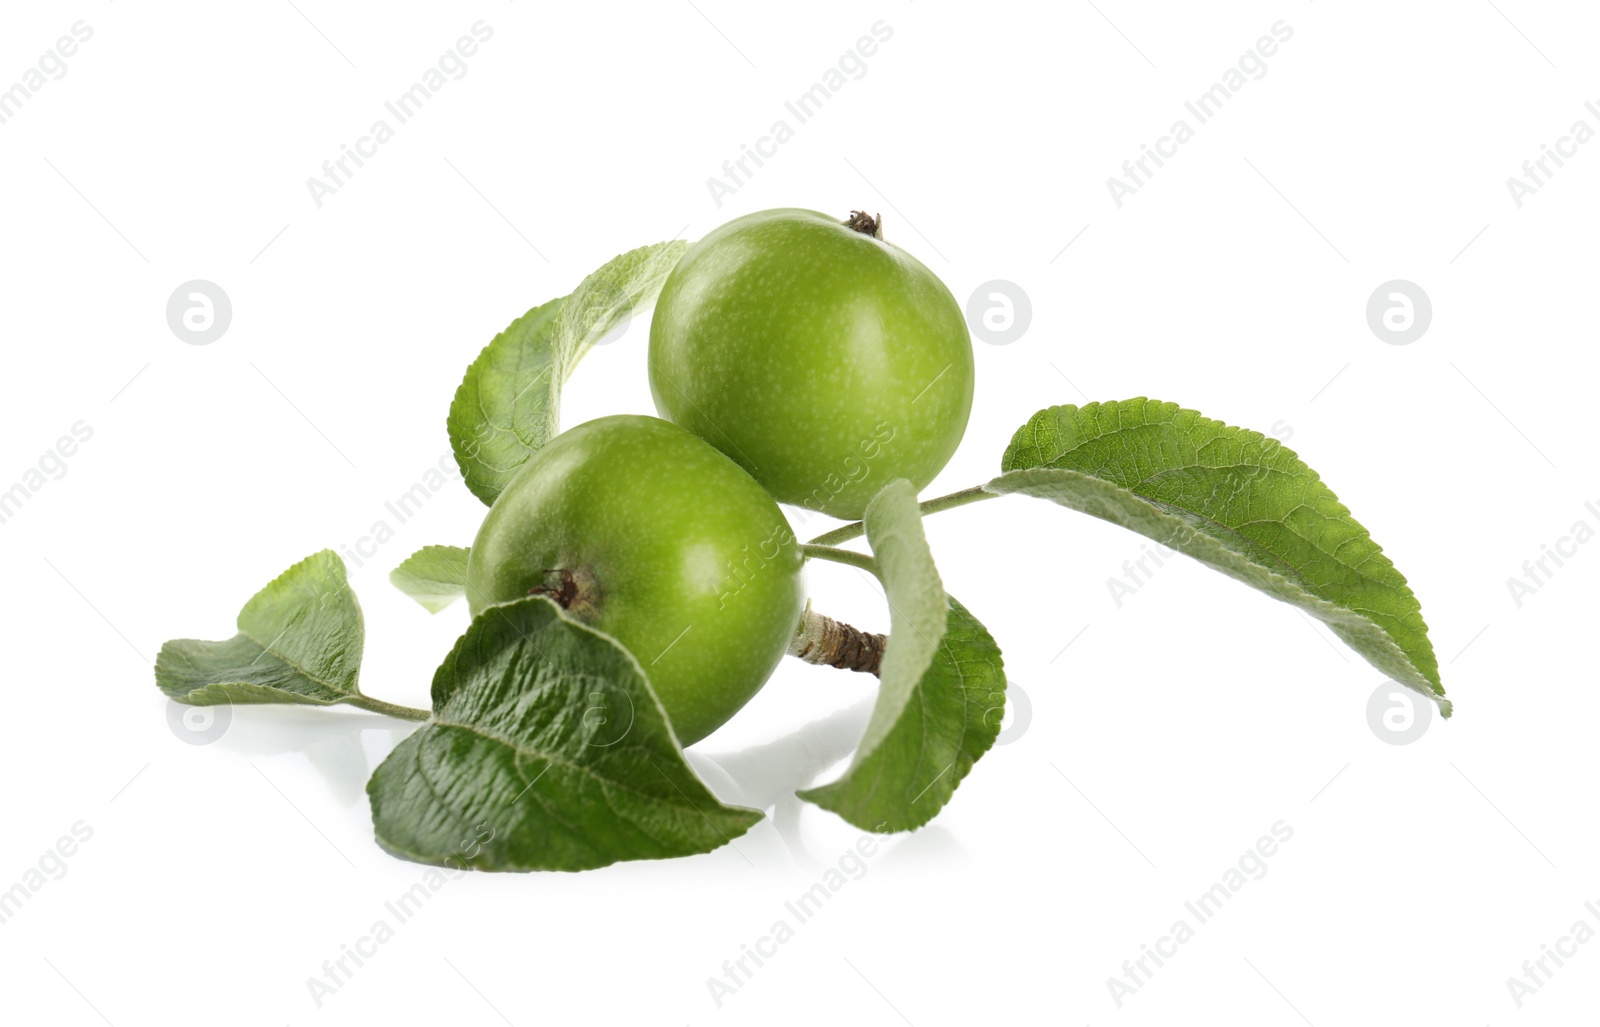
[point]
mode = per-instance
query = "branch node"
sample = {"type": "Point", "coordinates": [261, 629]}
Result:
{"type": "Point", "coordinates": [821, 640]}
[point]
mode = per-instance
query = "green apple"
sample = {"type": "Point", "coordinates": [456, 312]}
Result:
{"type": "Point", "coordinates": [822, 359]}
{"type": "Point", "coordinates": [645, 532]}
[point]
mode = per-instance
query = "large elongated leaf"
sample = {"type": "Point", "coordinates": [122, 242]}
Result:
{"type": "Point", "coordinates": [509, 402]}
{"type": "Point", "coordinates": [1237, 501]}
{"type": "Point", "coordinates": [299, 641]}
{"type": "Point", "coordinates": [434, 576]}
{"type": "Point", "coordinates": [547, 751]}
{"type": "Point", "coordinates": [952, 718]}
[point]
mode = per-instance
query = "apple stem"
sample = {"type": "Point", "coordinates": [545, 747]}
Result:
{"type": "Point", "coordinates": [830, 539]}
{"type": "Point", "coordinates": [824, 641]}
{"type": "Point", "coordinates": [866, 224]}
{"type": "Point", "coordinates": [389, 709]}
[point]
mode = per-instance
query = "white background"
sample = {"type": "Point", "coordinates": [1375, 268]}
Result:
{"type": "Point", "coordinates": [1166, 735]}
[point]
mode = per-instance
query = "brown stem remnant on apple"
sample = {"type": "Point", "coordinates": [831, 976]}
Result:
{"type": "Point", "coordinates": [824, 641]}
{"type": "Point", "coordinates": [866, 224]}
{"type": "Point", "coordinates": [574, 590]}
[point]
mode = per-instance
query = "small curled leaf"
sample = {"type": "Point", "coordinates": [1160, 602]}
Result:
{"type": "Point", "coordinates": [434, 576]}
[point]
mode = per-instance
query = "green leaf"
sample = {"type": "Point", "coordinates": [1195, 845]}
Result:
{"type": "Point", "coordinates": [1236, 501]}
{"type": "Point", "coordinates": [601, 302]}
{"type": "Point", "coordinates": [952, 719]}
{"type": "Point", "coordinates": [548, 750]}
{"type": "Point", "coordinates": [918, 611]}
{"type": "Point", "coordinates": [299, 641]}
{"type": "Point", "coordinates": [509, 402]}
{"type": "Point", "coordinates": [434, 576]}
{"type": "Point", "coordinates": [500, 411]}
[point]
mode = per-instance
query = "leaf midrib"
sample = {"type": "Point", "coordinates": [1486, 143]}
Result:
{"type": "Point", "coordinates": [1400, 585]}
{"type": "Point", "coordinates": [355, 690]}
{"type": "Point", "coordinates": [558, 760]}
